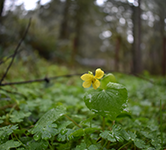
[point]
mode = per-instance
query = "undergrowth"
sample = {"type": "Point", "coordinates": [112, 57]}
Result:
{"type": "Point", "coordinates": [54, 115]}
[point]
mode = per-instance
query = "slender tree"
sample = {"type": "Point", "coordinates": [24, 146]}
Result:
{"type": "Point", "coordinates": [2, 2]}
{"type": "Point", "coordinates": [162, 14]}
{"type": "Point", "coordinates": [136, 55]}
{"type": "Point", "coordinates": [82, 10]}
{"type": "Point", "coordinates": [64, 28]}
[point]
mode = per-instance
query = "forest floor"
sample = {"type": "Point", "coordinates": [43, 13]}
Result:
{"type": "Point", "coordinates": [51, 113]}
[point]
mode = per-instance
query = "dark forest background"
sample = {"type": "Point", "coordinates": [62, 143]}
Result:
{"type": "Point", "coordinates": [118, 35]}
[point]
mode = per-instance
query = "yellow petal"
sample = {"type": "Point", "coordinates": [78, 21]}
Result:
{"type": "Point", "coordinates": [96, 84]}
{"type": "Point", "coordinates": [87, 84]}
{"type": "Point", "coordinates": [99, 73]}
{"type": "Point", "coordinates": [86, 77]}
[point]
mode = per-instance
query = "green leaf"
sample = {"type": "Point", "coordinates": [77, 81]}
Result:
{"type": "Point", "coordinates": [108, 78]}
{"type": "Point", "coordinates": [90, 130]}
{"type": "Point", "coordinates": [49, 131]}
{"type": "Point", "coordinates": [93, 147]}
{"type": "Point", "coordinates": [149, 148]}
{"type": "Point", "coordinates": [107, 135]}
{"type": "Point", "coordinates": [87, 139]}
{"type": "Point", "coordinates": [9, 144]}
{"type": "Point", "coordinates": [117, 133]}
{"type": "Point", "coordinates": [50, 116]}
{"type": "Point", "coordinates": [21, 148]}
{"type": "Point", "coordinates": [18, 116]}
{"type": "Point", "coordinates": [61, 137]}
{"type": "Point", "coordinates": [65, 135]}
{"type": "Point", "coordinates": [82, 146]}
{"type": "Point", "coordinates": [7, 130]}
{"type": "Point", "coordinates": [120, 134]}
{"type": "Point", "coordinates": [37, 145]}
{"type": "Point", "coordinates": [64, 125]}
{"type": "Point", "coordinates": [132, 136]}
{"type": "Point", "coordinates": [88, 120]}
{"type": "Point", "coordinates": [124, 134]}
{"type": "Point", "coordinates": [147, 134]}
{"type": "Point", "coordinates": [77, 134]}
{"type": "Point", "coordinates": [44, 128]}
{"type": "Point", "coordinates": [2, 118]}
{"type": "Point", "coordinates": [139, 143]}
{"type": "Point", "coordinates": [156, 142]}
{"type": "Point", "coordinates": [108, 102]}
{"type": "Point", "coordinates": [45, 132]}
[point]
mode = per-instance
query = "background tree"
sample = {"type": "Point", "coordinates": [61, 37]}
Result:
{"type": "Point", "coordinates": [90, 34]}
{"type": "Point", "coordinates": [64, 27]}
{"type": "Point", "coordinates": [136, 50]}
{"type": "Point", "coordinates": [2, 2]}
{"type": "Point", "coordinates": [162, 14]}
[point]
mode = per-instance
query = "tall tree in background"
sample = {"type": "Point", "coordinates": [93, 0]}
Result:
{"type": "Point", "coordinates": [82, 10]}
{"type": "Point", "coordinates": [117, 48]}
{"type": "Point", "coordinates": [2, 2]}
{"type": "Point", "coordinates": [162, 15]}
{"type": "Point", "coordinates": [64, 28]}
{"type": "Point", "coordinates": [136, 55]}
{"type": "Point", "coordinates": [159, 36]}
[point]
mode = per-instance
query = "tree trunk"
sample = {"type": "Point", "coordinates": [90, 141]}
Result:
{"type": "Point", "coordinates": [137, 56]}
{"type": "Point", "coordinates": [64, 30]}
{"type": "Point", "coordinates": [118, 41]}
{"type": "Point", "coordinates": [76, 42]}
{"type": "Point", "coordinates": [164, 57]}
{"type": "Point", "coordinates": [2, 2]}
{"type": "Point", "coordinates": [79, 19]}
{"type": "Point", "coordinates": [163, 39]}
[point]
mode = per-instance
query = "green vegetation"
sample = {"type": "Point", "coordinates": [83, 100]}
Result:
{"type": "Point", "coordinates": [55, 115]}
{"type": "Point", "coordinates": [45, 105]}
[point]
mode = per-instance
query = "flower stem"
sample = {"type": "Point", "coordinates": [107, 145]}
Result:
{"type": "Point", "coordinates": [103, 128]}
{"type": "Point", "coordinates": [103, 123]}
{"type": "Point", "coordinates": [124, 145]}
{"type": "Point", "coordinates": [72, 121]}
{"type": "Point", "coordinates": [50, 146]}
{"type": "Point", "coordinates": [161, 124]}
{"type": "Point", "coordinates": [19, 140]}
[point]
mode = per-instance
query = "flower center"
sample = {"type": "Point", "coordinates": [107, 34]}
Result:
{"type": "Point", "coordinates": [93, 80]}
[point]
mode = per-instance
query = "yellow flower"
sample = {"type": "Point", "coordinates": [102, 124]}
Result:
{"type": "Point", "coordinates": [91, 79]}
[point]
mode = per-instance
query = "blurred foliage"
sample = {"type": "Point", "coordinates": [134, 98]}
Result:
{"type": "Point", "coordinates": [83, 32]}
{"type": "Point", "coordinates": [52, 114]}
{"type": "Point", "coordinates": [33, 116]}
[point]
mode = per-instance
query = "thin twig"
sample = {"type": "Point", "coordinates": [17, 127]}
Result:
{"type": "Point", "coordinates": [72, 121]}
{"type": "Point", "coordinates": [15, 52]}
{"type": "Point", "coordinates": [161, 124]}
{"type": "Point", "coordinates": [19, 140]}
{"type": "Point", "coordinates": [3, 61]}
{"type": "Point", "coordinates": [46, 79]}
{"type": "Point", "coordinates": [38, 80]}
{"type": "Point", "coordinates": [103, 123]}
{"type": "Point", "coordinates": [124, 145]}
{"type": "Point", "coordinates": [142, 77]}
{"type": "Point", "coordinates": [132, 74]}
{"type": "Point", "coordinates": [14, 93]}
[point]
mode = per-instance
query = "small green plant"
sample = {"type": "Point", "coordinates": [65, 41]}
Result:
{"type": "Point", "coordinates": [109, 99]}
{"type": "Point", "coordinates": [66, 116]}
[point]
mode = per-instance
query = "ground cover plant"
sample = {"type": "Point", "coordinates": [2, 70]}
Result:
{"type": "Point", "coordinates": [117, 112]}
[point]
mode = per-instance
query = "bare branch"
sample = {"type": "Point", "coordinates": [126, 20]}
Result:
{"type": "Point", "coordinates": [47, 80]}
{"type": "Point", "coordinates": [39, 80]}
{"type": "Point", "coordinates": [15, 52]}
{"type": "Point", "coordinates": [3, 61]}
{"type": "Point", "coordinates": [14, 93]}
